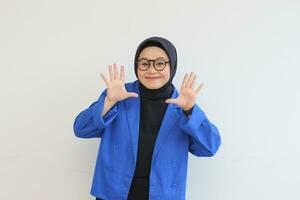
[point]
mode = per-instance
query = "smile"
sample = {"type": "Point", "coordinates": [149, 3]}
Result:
{"type": "Point", "coordinates": [152, 78]}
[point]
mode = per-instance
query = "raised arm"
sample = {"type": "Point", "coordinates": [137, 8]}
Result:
{"type": "Point", "coordinates": [204, 137]}
{"type": "Point", "coordinates": [91, 122]}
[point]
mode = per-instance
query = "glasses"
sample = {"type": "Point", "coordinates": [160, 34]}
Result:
{"type": "Point", "coordinates": [159, 64]}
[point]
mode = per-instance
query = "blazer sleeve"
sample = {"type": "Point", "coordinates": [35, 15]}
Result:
{"type": "Point", "coordinates": [204, 137]}
{"type": "Point", "coordinates": [89, 123]}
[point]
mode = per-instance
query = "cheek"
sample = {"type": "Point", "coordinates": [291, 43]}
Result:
{"type": "Point", "coordinates": [166, 74]}
{"type": "Point", "coordinates": [140, 74]}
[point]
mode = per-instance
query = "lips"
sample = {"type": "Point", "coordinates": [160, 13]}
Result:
{"type": "Point", "coordinates": [152, 77]}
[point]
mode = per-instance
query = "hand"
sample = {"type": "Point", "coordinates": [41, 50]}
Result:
{"type": "Point", "coordinates": [116, 90]}
{"type": "Point", "coordinates": [187, 96]}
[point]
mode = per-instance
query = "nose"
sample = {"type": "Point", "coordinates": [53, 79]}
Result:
{"type": "Point", "coordinates": [151, 67]}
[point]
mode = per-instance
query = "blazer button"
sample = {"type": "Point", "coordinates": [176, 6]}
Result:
{"type": "Point", "coordinates": [110, 168]}
{"type": "Point", "coordinates": [173, 186]}
{"type": "Point", "coordinates": [173, 163]}
{"type": "Point", "coordinates": [115, 147]}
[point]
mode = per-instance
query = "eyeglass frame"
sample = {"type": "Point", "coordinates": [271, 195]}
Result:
{"type": "Point", "coordinates": [149, 64]}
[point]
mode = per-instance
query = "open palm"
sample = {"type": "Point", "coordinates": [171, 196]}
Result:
{"type": "Point", "coordinates": [116, 90]}
{"type": "Point", "coordinates": [187, 96]}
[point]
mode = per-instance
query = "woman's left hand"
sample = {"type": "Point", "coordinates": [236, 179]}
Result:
{"type": "Point", "coordinates": [187, 96]}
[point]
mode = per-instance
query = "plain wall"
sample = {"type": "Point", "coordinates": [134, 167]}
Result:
{"type": "Point", "coordinates": [245, 52]}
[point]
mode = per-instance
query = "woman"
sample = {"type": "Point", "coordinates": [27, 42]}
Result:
{"type": "Point", "coordinates": [146, 128]}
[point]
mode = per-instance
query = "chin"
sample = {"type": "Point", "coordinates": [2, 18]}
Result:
{"type": "Point", "coordinates": [153, 86]}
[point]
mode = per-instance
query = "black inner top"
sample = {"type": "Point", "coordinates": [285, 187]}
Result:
{"type": "Point", "coordinates": [152, 110]}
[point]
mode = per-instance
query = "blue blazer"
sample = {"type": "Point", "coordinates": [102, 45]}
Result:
{"type": "Point", "coordinates": [118, 129]}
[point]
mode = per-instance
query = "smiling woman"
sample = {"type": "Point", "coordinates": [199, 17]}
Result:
{"type": "Point", "coordinates": [147, 128]}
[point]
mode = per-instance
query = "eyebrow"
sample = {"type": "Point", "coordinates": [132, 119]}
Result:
{"type": "Point", "coordinates": [153, 59]}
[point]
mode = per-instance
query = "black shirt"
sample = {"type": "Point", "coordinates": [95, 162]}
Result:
{"type": "Point", "coordinates": [152, 110]}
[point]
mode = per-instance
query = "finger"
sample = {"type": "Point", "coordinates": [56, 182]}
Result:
{"type": "Point", "coordinates": [191, 76]}
{"type": "Point", "coordinates": [171, 101]}
{"type": "Point", "coordinates": [199, 88]}
{"type": "Point", "coordinates": [122, 75]}
{"type": "Point", "coordinates": [111, 73]}
{"type": "Point", "coordinates": [193, 82]}
{"type": "Point", "coordinates": [184, 82]}
{"type": "Point", "coordinates": [132, 94]}
{"type": "Point", "coordinates": [116, 74]}
{"type": "Point", "coordinates": [104, 78]}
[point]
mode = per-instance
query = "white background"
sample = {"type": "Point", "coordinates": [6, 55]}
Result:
{"type": "Point", "coordinates": [245, 52]}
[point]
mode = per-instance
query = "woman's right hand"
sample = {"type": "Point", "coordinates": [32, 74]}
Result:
{"type": "Point", "coordinates": [116, 90]}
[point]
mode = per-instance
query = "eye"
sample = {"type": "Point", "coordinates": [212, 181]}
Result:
{"type": "Point", "coordinates": [143, 62]}
{"type": "Point", "coordinates": [159, 63]}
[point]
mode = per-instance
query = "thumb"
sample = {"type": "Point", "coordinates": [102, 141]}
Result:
{"type": "Point", "coordinates": [171, 101]}
{"type": "Point", "coordinates": [132, 94]}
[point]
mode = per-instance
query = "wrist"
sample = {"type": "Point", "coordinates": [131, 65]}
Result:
{"type": "Point", "coordinates": [188, 111]}
{"type": "Point", "coordinates": [110, 102]}
{"type": "Point", "coordinates": [107, 105]}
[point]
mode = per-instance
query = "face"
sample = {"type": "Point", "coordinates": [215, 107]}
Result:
{"type": "Point", "coordinates": [151, 78]}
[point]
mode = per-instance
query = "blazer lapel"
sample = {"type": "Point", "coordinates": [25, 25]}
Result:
{"type": "Point", "coordinates": [169, 120]}
{"type": "Point", "coordinates": [132, 105]}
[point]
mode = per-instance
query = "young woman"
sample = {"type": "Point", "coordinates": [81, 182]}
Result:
{"type": "Point", "coordinates": [147, 128]}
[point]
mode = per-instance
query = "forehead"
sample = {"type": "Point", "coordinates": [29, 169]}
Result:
{"type": "Point", "coordinates": [153, 53]}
